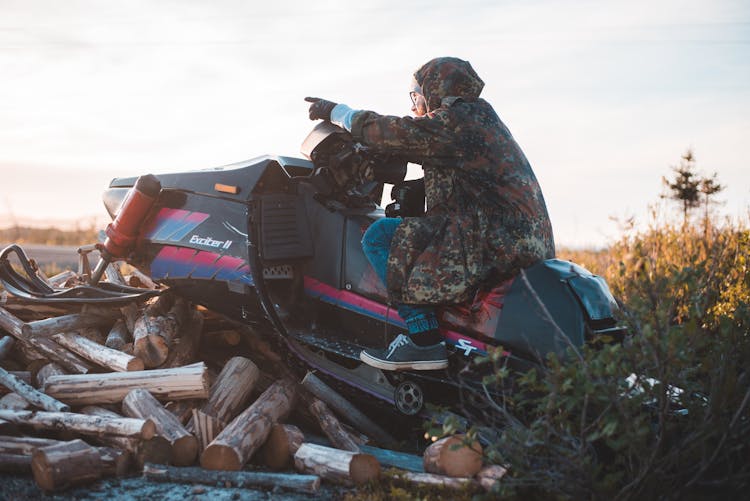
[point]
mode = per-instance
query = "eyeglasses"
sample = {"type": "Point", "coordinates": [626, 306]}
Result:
{"type": "Point", "coordinates": [415, 96]}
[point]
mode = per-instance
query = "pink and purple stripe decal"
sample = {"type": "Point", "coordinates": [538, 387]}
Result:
{"type": "Point", "coordinates": [373, 309]}
{"type": "Point", "coordinates": [183, 262]}
{"type": "Point", "coordinates": [173, 225]}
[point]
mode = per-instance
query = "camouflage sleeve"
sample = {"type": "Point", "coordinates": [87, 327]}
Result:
{"type": "Point", "coordinates": [414, 139]}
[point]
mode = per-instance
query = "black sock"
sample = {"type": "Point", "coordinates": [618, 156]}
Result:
{"type": "Point", "coordinates": [426, 338]}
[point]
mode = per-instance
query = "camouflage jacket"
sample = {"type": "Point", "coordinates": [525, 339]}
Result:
{"type": "Point", "coordinates": [485, 210]}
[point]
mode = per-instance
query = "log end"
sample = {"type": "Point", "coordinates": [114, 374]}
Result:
{"type": "Point", "coordinates": [148, 430]}
{"type": "Point", "coordinates": [452, 457]}
{"type": "Point", "coordinates": [158, 450]}
{"type": "Point", "coordinates": [136, 364]}
{"type": "Point", "coordinates": [184, 450]}
{"type": "Point", "coordinates": [276, 453]}
{"type": "Point", "coordinates": [42, 474]}
{"type": "Point", "coordinates": [59, 466]}
{"type": "Point", "coordinates": [364, 468]}
{"type": "Point", "coordinates": [152, 350]}
{"type": "Point", "coordinates": [220, 457]}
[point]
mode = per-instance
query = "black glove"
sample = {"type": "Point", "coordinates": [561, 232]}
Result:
{"type": "Point", "coordinates": [409, 199]}
{"type": "Point", "coordinates": [320, 109]}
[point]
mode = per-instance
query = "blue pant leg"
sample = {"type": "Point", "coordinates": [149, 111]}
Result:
{"type": "Point", "coordinates": [376, 244]}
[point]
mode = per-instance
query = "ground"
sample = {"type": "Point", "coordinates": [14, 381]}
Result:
{"type": "Point", "coordinates": [23, 488]}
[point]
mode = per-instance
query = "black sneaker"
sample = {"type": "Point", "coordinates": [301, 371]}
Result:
{"type": "Point", "coordinates": [402, 354]}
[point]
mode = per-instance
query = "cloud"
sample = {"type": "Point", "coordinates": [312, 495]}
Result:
{"type": "Point", "coordinates": [602, 96]}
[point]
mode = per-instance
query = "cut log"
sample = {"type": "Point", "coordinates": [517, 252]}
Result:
{"type": "Point", "coordinates": [347, 411]}
{"type": "Point", "coordinates": [14, 463]}
{"type": "Point", "coordinates": [47, 370]}
{"type": "Point", "coordinates": [11, 401]}
{"type": "Point", "coordinates": [118, 336]}
{"type": "Point", "coordinates": [45, 347]}
{"type": "Point", "coordinates": [248, 431]}
{"type": "Point", "coordinates": [25, 355]}
{"type": "Point", "coordinates": [152, 338]}
{"type": "Point", "coordinates": [7, 428]}
{"type": "Point", "coordinates": [453, 457]}
{"type": "Point", "coordinates": [432, 479]}
{"type": "Point", "coordinates": [139, 279]}
{"type": "Point", "coordinates": [332, 427]}
{"type": "Point", "coordinates": [101, 355]}
{"type": "Point", "coordinates": [81, 423]}
{"type": "Point", "coordinates": [227, 452]}
{"type": "Point", "coordinates": [114, 275]}
{"type": "Point", "coordinates": [28, 392]}
{"type": "Point", "coordinates": [24, 376]}
{"type": "Point", "coordinates": [179, 383]}
{"type": "Point", "coordinates": [112, 312]}
{"type": "Point", "coordinates": [154, 450]}
{"type": "Point", "coordinates": [32, 311]}
{"type": "Point", "coordinates": [60, 466]}
{"type": "Point", "coordinates": [92, 334]}
{"type": "Point", "coordinates": [489, 476]}
{"type": "Point", "coordinates": [184, 348]}
{"type": "Point", "coordinates": [67, 323]}
{"type": "Point", "coordinates": [183, 410]}
{"type": "Point", "coordinates": [115, 462]}
{"type": "Point", "coordinates": [15, 452]}
{"type": "Point", "coordinates": [343, 467]}
{"type": "Point", "coordinates": [129, 314]}
{"type": "Point", "coordinates": [59, 280]}
{"type": "Point", "coordinates": [283, 441]}
{"type": "Point", "coordinates": [56, 353]}
{"type": "Point", "coordinates": [24, 446]}
{"type": "Point", "coordinates": [11, 324]}
{"type": "Point", "coordinates": [238, 479]}
{"type": "Point", "coordinates": [6, 344]}
{"type": "Point", "coordinates": [205, 427]}
{"type": "Point", "coordinates": [231, 391]}
{"type": "Point", "coordinates": [14, 401]}
{"type": "Point", "coordinates": [140, 403]}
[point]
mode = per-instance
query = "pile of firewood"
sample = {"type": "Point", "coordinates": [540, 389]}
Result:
{"type": "Point", "coordinates": [175, 392]}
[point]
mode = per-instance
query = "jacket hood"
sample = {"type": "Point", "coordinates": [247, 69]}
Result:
{"type": "Point", "coordinates": [445, 77]}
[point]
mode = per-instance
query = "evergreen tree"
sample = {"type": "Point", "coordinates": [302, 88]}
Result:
{"type": "Point", "coordinates": [685, 188]}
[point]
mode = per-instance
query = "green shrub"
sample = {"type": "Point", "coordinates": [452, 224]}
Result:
{"type": "Point", "coordinates": [680, 426]}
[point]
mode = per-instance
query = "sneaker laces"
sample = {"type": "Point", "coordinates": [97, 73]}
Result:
{"type": "Point", "coordinates": [401, 340]}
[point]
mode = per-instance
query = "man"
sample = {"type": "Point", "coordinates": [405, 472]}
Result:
{"type": "Point", "coordinates": [486, 218]}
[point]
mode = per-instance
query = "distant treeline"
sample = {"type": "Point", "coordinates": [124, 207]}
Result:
{"type": "Point", "coordinates": [47, 236]}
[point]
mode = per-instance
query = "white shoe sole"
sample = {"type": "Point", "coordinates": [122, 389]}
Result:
{"type": "Point", "coordinates": [432, 365]}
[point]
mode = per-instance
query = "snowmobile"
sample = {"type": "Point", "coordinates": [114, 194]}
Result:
{"type": "Point", "coordinates": [274, 242]}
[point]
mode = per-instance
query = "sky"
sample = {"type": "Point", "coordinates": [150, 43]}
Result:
{"type": "Point", "coordinates": [603, 96]}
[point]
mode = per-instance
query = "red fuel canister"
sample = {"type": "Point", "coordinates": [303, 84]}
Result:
{"type": "Point", "coordinates": [123, 231]}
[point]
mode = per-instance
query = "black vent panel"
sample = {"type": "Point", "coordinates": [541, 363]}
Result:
{"type": "Point", "coordinates": [284, 230]}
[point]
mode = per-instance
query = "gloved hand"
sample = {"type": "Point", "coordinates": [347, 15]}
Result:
{"type": "Point", "coordinates": [320, 109]}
